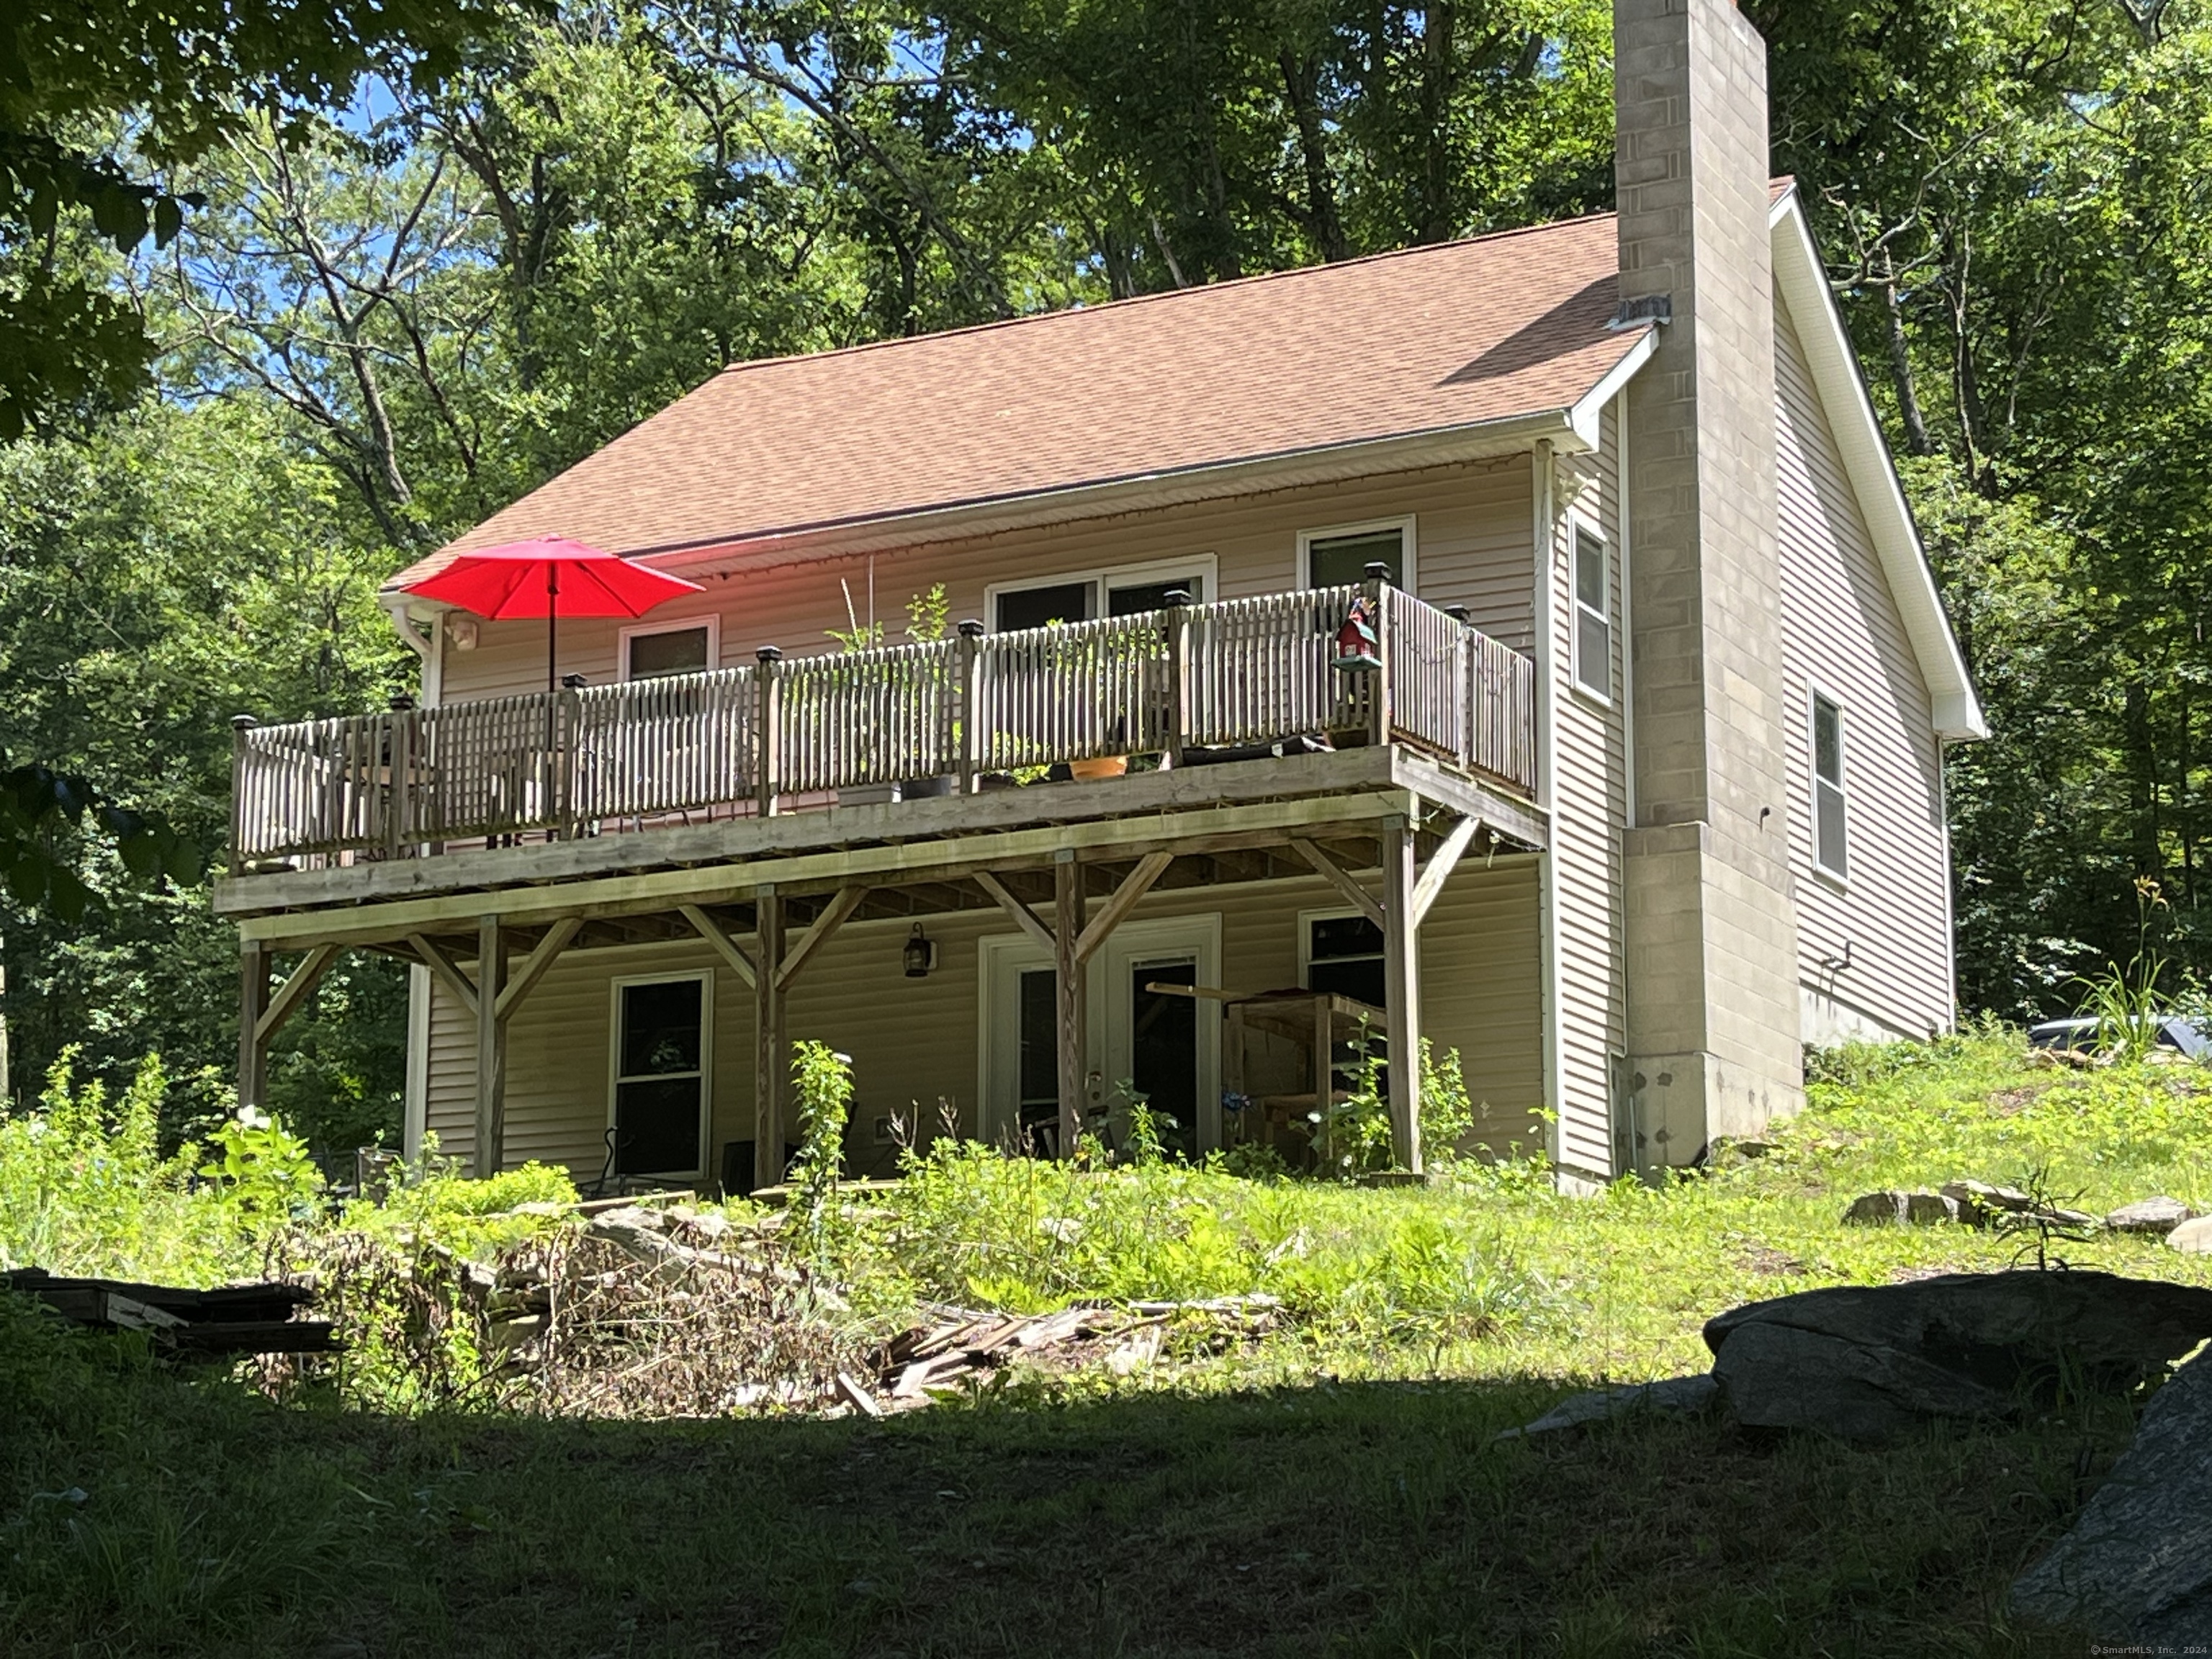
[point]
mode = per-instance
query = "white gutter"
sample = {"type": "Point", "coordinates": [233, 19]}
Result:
{"type": "Point", "coordinates": [1587, 417]}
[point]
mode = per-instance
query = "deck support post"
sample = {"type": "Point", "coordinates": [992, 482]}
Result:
{"type": "Point", "coordinates": [1401, 980]}
{"type": "Point", "coordinates": [771, 1052]}
{"type": "Point", "coordinates": [1068, 983]}
{"type": "Point", "coordinates": [252, 1038]}
{"type": "Point", "coordinates": [491, 1051]}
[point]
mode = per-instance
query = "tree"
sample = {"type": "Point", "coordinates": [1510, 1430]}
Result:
{"type": "Point", "coordinates": [163, 85]}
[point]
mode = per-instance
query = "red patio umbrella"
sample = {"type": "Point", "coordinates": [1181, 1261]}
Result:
{"type": "Point", "coordinates": [549, 576]}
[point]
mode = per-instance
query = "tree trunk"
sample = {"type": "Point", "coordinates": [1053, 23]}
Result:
{"type": "Point", "coordinates": [1914, 418]}
{"type": "Point", "coordinates": [1440, 25]}
{"type": "Point", "coordinates": [2148, 854]}
{"type": "Point", "coordinates": [1301, 86]}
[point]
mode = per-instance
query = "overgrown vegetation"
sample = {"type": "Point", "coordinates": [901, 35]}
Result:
{"type": "Point", "coordinates": [1331, 1488]}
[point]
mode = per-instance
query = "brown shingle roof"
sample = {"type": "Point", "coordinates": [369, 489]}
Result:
{"type": "Point", "coordinates": [1428, 339]}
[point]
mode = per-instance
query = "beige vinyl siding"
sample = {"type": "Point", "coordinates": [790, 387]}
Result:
{"type": "Point", "coordinates": [915, 1042]}
{"type": "Point", "coordinates": [1843, 632]}
{"type": "Point", "coordinates": [1589, 805]}
{"type": "Point", "coordinates": [1472, 522]}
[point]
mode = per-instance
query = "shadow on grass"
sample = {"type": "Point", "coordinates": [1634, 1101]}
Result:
{"type": "Point", "coordinates": [1335, 1519]}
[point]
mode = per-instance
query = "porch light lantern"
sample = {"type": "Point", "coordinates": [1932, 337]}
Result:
{"type": "Point", "coordinates": [920, 954]}
{"type": "Point", "coordinates": [1358, 650]}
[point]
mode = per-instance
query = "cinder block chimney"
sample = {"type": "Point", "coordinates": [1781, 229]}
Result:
{"type": "Point", "coordinates": [1712, 931]}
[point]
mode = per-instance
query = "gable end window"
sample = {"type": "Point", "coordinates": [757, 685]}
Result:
{"type": "Point", "coordinates": [1593, 615]}
{"type": "Point", "coordinates": [1831, 801]}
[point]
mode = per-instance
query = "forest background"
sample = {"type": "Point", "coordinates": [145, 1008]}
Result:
{"type": "Point", "coordinates": [280, 311]}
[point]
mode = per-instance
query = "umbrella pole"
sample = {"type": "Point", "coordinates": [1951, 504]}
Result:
{"type": "Point", "coordinates": [552, 655]}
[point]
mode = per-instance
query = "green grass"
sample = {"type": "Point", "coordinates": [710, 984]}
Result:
{"type": "Point", "coordinates": [1334, 1490]}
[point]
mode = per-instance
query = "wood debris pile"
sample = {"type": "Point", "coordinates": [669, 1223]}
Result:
{"type": "Point", "coordinates": [639, 1309]}
{"type": "Point", "coordinates": [961, 1350]}
{"type": "Point", "coordinates": [232, 1319]}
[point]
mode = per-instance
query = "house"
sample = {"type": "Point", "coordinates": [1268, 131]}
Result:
{"type": "Point", "coordinates": [1643, 791]}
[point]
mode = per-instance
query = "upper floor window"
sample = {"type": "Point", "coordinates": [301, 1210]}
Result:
{"type": "Point", "coordinates": [1593, 614]}
{"type": "Point", "coordinates": [1831, 801]}
{"type": "Point", "coordinates": [678, 648]}
{"type": "Point", "coordinates": [1123, 591]}
{"type": "Point", "coordinates": [1337, 557]}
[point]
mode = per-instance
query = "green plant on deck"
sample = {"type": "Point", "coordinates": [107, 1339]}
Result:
{"type": "Point", "coordinates": [2125, 1001]}
{"type": "Point", "coordinates": [929, 615]}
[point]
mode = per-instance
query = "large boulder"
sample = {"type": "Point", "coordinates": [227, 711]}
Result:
{"type": "Point", "coordinates": [1902, 1209]}
{"type": "Point", "coordinates": [1867, 1362]}
{"type": "Point", "coordinates": [2156, 1216]}
{"type": "Point", "coordinates": [2137, 1566]}
{"type": "Point", "coordinates": [2192, 1237]}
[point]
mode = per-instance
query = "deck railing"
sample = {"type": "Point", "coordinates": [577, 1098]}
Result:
{"type": "Point", "coordinates": [1170, 682]}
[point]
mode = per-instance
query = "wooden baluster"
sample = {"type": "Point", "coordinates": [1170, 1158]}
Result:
{"type": "Point", "coordinates": [765, 735]}
{"type": "Point", "coordinates": [969, 667]}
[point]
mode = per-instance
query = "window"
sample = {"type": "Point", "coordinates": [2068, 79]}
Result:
{"type": "Point", "coordinates": [650, 653]}
{"type": "Point", "coordinates": [1830, 804]}
{"type": "Point", "coordinates": [661, 1035]}
{"type": "Point", "coordinates": [1034, 607]}
{"type": "Point", "coordinates": [1333, 558]}
{"type": "Point", "coordinates": [1037, 1107]}
{"type": "Point", "coordinates": [1343, 954]}
{"type": "Point", "coordinates": [1084, 595]}
{"type": "Point", "coordinates": [1593, 615]}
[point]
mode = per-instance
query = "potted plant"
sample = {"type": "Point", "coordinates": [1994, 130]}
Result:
{"type": "Point", "coordinates": [928, 615]}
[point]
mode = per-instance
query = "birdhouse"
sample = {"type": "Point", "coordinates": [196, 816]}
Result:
{"type": "Point", "coordinates": [1357, 649]}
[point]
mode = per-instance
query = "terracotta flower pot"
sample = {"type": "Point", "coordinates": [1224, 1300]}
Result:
{"type": "Point", "coordinates": [1105, 766]}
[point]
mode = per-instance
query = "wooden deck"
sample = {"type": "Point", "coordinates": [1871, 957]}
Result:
{"type": "Point", "coordinates": [1182, 684]}
{"type": "Point", "coordinates": [485, 840]}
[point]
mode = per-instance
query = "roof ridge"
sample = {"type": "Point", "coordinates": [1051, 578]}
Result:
{"type": "Point", "coordinates": [1066, 311]}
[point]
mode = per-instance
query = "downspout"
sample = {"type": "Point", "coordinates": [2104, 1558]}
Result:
{"type": "Point", "coordinates": [1542, 493]}
{"type": "Point", "coordinates": [1950, 922]}
{"type": "Point", "coordinates": [428, 642]}
{"type": "Point", "coordinates": [1627, 623]}
{"type": "Point", "coordinates": [1625, 568]}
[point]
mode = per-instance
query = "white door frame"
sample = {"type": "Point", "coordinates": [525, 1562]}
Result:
{"type": "Point", "coordinates": [705, 976]}
{"type": "Point", "coordinates": [1001, 957]}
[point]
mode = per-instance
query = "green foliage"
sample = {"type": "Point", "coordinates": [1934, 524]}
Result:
{"type": "Point", "coordinates": [1351, 1136]}
{"type": "Point", "coordinates": [929, 615]}
{"type": "Point", "coordinates": [821, 1083]}
{"type": "Point", "coordinates": [77, 77]}
{"type": "Point", "coordinates": [84, 1187]}
{"type": "Point", "coordinates": [1447, 1110]}
{"type": "Point", "coordinates": [2126, 1002]}
{"type": "Point", "coordinates": [970, 1224]}
{"type": "Point", "coordinates": [261, 1171]}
